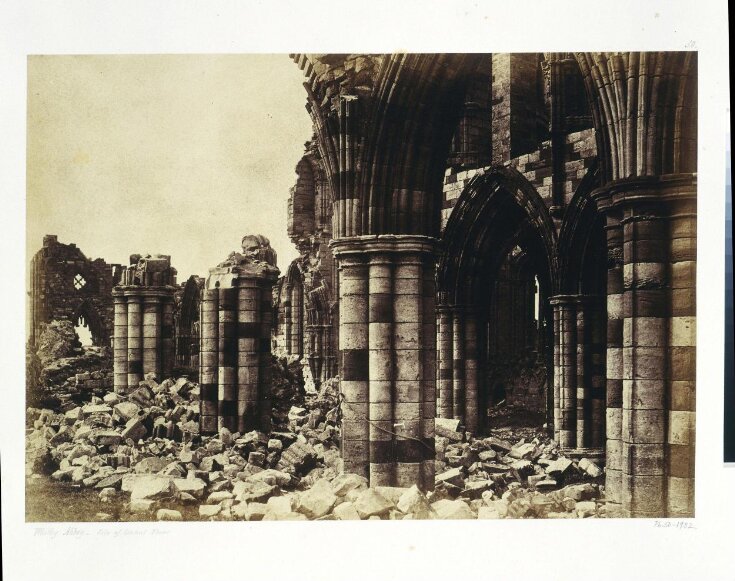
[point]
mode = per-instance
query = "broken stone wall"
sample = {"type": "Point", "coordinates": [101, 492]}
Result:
{"type": "Point", "coordinates": [66, 285]}
{"type": "Point", "coordinates": [305, 297]}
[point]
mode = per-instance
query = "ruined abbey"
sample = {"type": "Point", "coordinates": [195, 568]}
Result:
{"type": "Point", "coordinates": [475, 232]}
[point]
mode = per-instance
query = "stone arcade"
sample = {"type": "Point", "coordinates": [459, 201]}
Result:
{"type": "Point", "coordinates": [472, 229]}
{"type": "Point", "coordinates": [532, 212]}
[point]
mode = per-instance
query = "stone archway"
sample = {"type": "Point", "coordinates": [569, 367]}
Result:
{"type": "Point", "coordinates": [499, 240]}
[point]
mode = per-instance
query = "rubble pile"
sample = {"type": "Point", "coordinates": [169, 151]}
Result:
{"type": "Point", "coordinates": [60, 370]}
{"type": "Point", "coordinates": [522, 468]}
{"type": "Point", "coordinates": [143, 453]}
{"type": "Point", "coordinates": [287, 388]}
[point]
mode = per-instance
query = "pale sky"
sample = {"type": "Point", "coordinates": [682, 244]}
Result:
{"type": "Point", "coordinates": [169, 154]}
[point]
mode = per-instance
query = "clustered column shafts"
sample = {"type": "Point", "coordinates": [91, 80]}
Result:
{"type": "Point", "coordinates": [578, 380]}
{"type": "Point", "coordinates": [236, 322]}
{"type": "Point", "coordinates": [387, 357]}
{"type": "Point", "coordinates": [651, 314]}
{"type": "Point", "coordinates": [459, 376]}
{"type": "Point", "coordinates": [143, 331]}
{"type": "Point", "coordinates": [120, 345]}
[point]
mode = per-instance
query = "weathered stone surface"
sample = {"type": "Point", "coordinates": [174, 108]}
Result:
{"type": "Point", "coordinates": [318, 500]}
{"type": "Point", "coordinates": [452, 509]}
{"type": "Point", "coordinates": [298, 458]}
{"type": "Point", "coordinates": [165, 514]}
{"type": "Point", "coordinates": [524, 451]}
{"type": "Point", "coordinates": [209, 510]}
{"type": "Point", "coordinates": [559, 467]}
{"type": "Point", "coordinates": [151, 487]}
{"type": "Point", "coordinates": [346, 511]}
{"type": "Point", "coordinates": [585, 508]}
{"type": "Point", "coordinates": [413, 502]}
{"type": "Point", "coordinates": [125, 411]}
{"type": "Point", "coordinates": [452, 476]}
{"type": "Point", "coordinates": [218, 497]}
{"type": "Point", "coordinates": [105, 437]}
{"type": "Point", "coordinates": [448, 428]}
{"type": "Point", "coordinates": [134, 429]}
{"type": "Point", "coordinates": [255, 510]}
{"type": "Point", "coordinates": [371, 503]}
{"type": "Point", "coordinates": [151, 465]}
{"type": "Point", "coordinates": [590, 468]}
{"type": "Point", "coordinates": [278, 508]}
{"type": "Point", "coordinates": [344, 483]}
{"type": "Point", "coordinates": [193, 486]}
{"type": "Point", "coordinates": [142, 505]}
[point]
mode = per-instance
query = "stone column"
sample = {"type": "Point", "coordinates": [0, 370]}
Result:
{"type": "Point", "coordinates": [265, 370]}
{"type": "Point", "coordinates": [565, 370]}
{"type": "Point", "coordinates": [297, 316]}
{"type": "Point", "coordinates": [387, 346]}
{"type": "Point", "coordinates": [167, 338]}
{"type": "Point", "coordinates": [458, 363]}
{"type": "Point", "coordinates": [682, 354]}
{"type": "Point", "coordinates": [288, 322]}
{"type": "Point", "coordinates": [237, 319]}
{"type": "Point", "coordinates": [596, 362]}
{"type": "Point", "coordinates": [354, 359]}
{"type": "Point", "coordinates": [120, 344]}
{"type": "Point", "coordinates": [227, 351]}
{"type": "Point", "coordinates": [135, 341]}
{"type": "Point", "coordinates": [471, 410]}
{"type": "Point", "coordinates": [152, 350]}
{"type": "Point", "coordinates": [446, 358]}
{"type": "Point", "coordinates": [143, 334]}
{"type": "Point", "coordinates": [614, 362]}
{"type": "Point", "coordinates": [582, 395]}
{"type": "Point", "coordinates": [208, 360]}
{"type": "Point", "coordinates": [645, 329]}
{"type": "Point", "coordinates": [654, 309]}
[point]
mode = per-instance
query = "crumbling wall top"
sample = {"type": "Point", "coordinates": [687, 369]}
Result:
{"type": "Point", "coordinates": [257, 259]}
{"type": "Point", "coordinates": [149, 270]}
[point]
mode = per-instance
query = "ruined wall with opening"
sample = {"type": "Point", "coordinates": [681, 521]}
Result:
{"type": "Point", "coordinates": [66, 285]}
{"type": "Point", "coordinates": [542, 128]}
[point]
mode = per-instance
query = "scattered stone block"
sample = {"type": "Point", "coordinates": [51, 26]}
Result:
{"type": "Point", "coordinates": [413, 502]}
{"type": "Point", "coordinates": [318, 500]}
{"type": "Point", "coordinates": [452, 476]}
{"type": "Point", "coordinates": [344, 483]}
{"type": "Point", "coordinates": [448, 428]}
{"type": "Point", "coordinates": [165, 514]}
{"type": "Point", "coordinates": [142, 505]}
{"type": "Point", "coordinates": [452, 509]}
{"type": "Point", "coordinates": [209, 510]}
{"type": "Point", "coordinates": [151, 487]}
{"type": "Point", "coordinates": [590, 468]}
{"type": "Point", "coordinates": [371, 503]}
{"type": "Point", "coordinates": [134, 430]}
{"type": "Point", "coordinates": [346, 511]}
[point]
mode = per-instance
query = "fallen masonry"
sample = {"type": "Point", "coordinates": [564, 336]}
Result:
{"type": "Point", "coordinates": [144, 452]}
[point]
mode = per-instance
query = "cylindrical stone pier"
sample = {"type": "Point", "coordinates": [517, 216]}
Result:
{"type": "Point", "coordinates": [651, 346]}
{"type": "Point", "coordinates": [235, 352]}
{"type": "Point", "coordinates": [387, 357]}
{"type": "Point", "coordinates": [120, 344]}
{"type": "Point", "coordinates": [208, 360]}
{"type": "Point", "coordinates": [143, 335]}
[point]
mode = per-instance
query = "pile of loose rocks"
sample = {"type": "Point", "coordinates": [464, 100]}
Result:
{"type": "Point", "coordinates": [59, 370]}
{"type": "Point", "coordinates": [143, 452]}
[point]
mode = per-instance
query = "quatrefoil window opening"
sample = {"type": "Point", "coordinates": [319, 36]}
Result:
{"type": "Point", "coordinates": [79, 282]}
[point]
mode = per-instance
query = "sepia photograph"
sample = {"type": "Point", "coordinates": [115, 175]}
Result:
{"type": "Point", "coordinates": [416, 283]}
{"type": "Point", "coordinates": [480, 302]}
